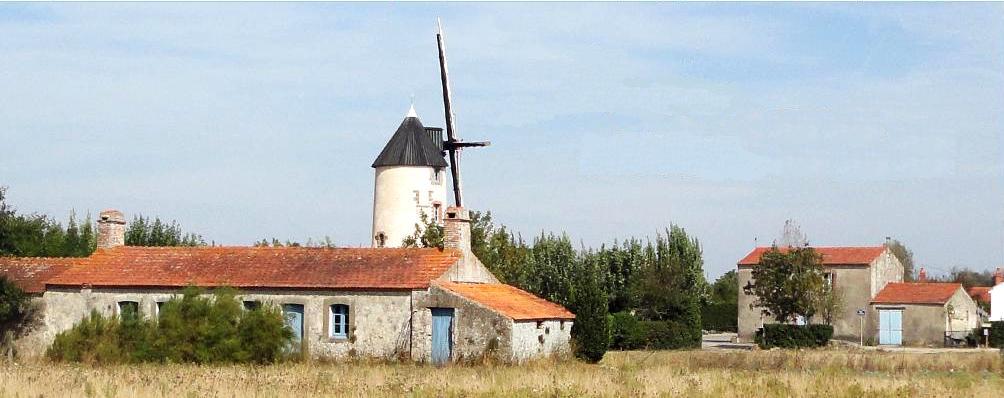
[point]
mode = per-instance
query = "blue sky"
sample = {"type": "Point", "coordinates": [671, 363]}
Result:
{"type": "Point", "coordinates": [245, 121]}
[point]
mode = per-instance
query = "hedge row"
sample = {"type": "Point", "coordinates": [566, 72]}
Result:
{"type": "Point", "coordinates": [997, 334]}
{"type": "Point", "coordinates": [629, 333]}
{"type": "Point", "coordinates": [793, 336]}
{"type": "Point", "coordinates": [720, 317]}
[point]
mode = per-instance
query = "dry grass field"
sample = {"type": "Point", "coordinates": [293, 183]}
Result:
{"type": "Point", "coordinates": [687, 373]}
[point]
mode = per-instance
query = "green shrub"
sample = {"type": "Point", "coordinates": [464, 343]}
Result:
{"type": "Point", "coordinates": [193, 328]}
{"type": "Point", "coordinates": [721, 317]}
{"type": "Point", "coordinates": [793, 336]}
{"type": "Point", "coordinates": [626, 332]}
{"type": "Point", "coordinates": [997, 334]}
{"type": "Point", "coordinates": [670, 335]}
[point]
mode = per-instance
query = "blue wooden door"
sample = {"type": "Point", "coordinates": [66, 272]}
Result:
{"type": "Point", "coordinates": [442, 335]}
{"type": "Point", "coordinates": [891, 327]}
{"type": "Point", "coordinates": [294, 319]}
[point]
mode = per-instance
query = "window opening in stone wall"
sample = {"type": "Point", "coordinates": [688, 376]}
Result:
{"type": "Point", "coordinates": [339, 327]}
{"type": "Point", "coordinates": [128, 309]}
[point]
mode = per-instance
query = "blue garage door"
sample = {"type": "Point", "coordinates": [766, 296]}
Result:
{"type": "Point", "coordinates": [891, 327]}
{"type": "Point", "coordinates": [294, 318]}
{"type": "Point", "coordinates": [442, 335]}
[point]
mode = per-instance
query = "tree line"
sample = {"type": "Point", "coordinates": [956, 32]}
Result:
{"type": "Point", "coordinates": [39, 235]}
{"type": "Point", "coordinates": [649, 289]}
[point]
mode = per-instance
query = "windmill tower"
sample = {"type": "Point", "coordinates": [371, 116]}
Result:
{"type": "Point", "coordinates": [410, 182]}
{"type": "Point", "coordinates": [410, 173]}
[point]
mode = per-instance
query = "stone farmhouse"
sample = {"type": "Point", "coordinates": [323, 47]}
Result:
{"type": "Point", "coordinates": [423, 304]}
{"type": "Point", "coordinates": [878, 306]}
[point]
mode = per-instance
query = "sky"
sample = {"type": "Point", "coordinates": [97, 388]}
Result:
{"type": "Point", "coordinates": [607, 121]}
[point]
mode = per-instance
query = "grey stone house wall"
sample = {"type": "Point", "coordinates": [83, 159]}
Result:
{"type": "Point", "coordinates": [378, 320]}
{"type": "Point", "coordinates": [382, 324]}
{"type": "Point", "coordinates": [478, 332]}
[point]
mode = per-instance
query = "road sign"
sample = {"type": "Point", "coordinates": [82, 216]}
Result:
{"type": "Point", "coordinates": [861, 312]}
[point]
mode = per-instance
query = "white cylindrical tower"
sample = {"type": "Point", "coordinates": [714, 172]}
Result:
{"type": "Point", "coordinates": [410, 182]}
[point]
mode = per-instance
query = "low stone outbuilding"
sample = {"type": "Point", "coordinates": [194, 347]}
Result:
{"type": "Point", "coordinates": [429, 305]}
{"type": "Point", "coordinates": [923, 314]}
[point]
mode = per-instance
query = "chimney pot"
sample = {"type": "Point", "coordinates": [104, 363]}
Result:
{"type": "Point", "coordinates": [998, 276]}
{"type": "Point", "coordinates": [111, 229]}
{"type": "Point", "coordinates": [457, 229]}
{"type": "Point", "coordinates": [922, 275]}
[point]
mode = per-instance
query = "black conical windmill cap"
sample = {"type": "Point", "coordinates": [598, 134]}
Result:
{"type": "Point", "coordinates": [410, 146]}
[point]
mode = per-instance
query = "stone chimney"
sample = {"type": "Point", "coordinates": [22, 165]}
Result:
{"type": "Point", "coordinates": [111, 229]}
{"type": "Point", "coordinates": [457, 229]}
{"type": "Point", "coordinates": [998, 276]}
{"type": "Point", "coordinates": [922, 275]}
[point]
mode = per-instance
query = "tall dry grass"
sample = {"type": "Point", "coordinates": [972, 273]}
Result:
{"type": "Point", "coordinates": [687, 373]}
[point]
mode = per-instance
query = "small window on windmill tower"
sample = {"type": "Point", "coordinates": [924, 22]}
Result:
{"type": "Point", "coordinates": [437, 212]}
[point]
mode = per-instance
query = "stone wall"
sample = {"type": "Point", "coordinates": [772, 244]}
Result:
{"type": "Point", "coordinates": [478, 332]}
{"type": "Point", "coordinates": [379, 321]}
{"type": "Point", "coordinates": [532, 339]}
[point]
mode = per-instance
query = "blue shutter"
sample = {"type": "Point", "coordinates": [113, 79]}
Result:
{"type": "Point", "coordinates": [294, 319]}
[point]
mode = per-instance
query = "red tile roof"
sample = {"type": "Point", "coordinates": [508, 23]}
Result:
{"type": "Point", "coordinates": [979, 293]}
{"type": "Point", "coordinates": [831, 255]}
{"type": "Point", "coordinates": [509, 301]}
{"type": "Point", "coordinates": [30, 273]}
{"type": "Point", "coordinates": [916, 293]}
{"type": "Point", "coordinates": [259, 267]}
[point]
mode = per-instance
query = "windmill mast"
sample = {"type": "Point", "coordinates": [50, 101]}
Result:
{"type": "Point", "coordinates": [451, 130]}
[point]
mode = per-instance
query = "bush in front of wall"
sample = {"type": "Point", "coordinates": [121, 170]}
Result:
{"type": "Point", "coordinates": [194, 328]}
{"type": "Point", "coordinates": [793, 336]}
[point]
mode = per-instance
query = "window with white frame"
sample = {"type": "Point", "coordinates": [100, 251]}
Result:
{"type": "Point", "coordinates": [339, 321]}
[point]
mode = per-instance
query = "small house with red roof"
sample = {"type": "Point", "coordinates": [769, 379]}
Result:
{"type": "Point", "coordinates": [858, 273]}
{"type": "Point", "coordinates": [426, 304]}
{"type": "Point", "coordinates": [924, 313]}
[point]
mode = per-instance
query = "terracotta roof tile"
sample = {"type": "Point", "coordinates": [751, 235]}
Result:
{"type": "Point", "coordinates": [831, 255]}
{"type": "Point", "coordinates": [916, 293]}
{"type": "Point", "coordinates": [260, 267]}
{"type": "Point", "coordinates": [30, 273]}
{"type": "Point", "coordinates": [979, 293]}
{"type": "Point", "coordinates": [509, 301]}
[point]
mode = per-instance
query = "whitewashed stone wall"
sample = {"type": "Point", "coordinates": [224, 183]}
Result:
{"type": "Point", "coordinates": [531, 339]}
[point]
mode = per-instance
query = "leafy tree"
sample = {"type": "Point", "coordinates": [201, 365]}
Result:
{"type": "Point", "coordinates": [143, 231]}
{"type": "Point", "coordinates": [589, 303]}
{"type": "Point", "coordinates": [967, 277]}
{"type": "Point", "coordinates": [786, 283]}
{"type": "Point", "coordinates": [830, 302]}
{"type": "Point", "coordinates": [792, 236]}
{"type": "Point", "coordinates": [905, 256]}
{"type": "Point", "coordinates": [721, 312]}
{"type": "Point", "coordinates": [672, 285]}
{"type": "Point", "coordinates": [427, 234]}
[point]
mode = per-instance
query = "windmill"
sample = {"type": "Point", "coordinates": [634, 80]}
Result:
{"type": "Point", "coordinates": [453, 144]}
